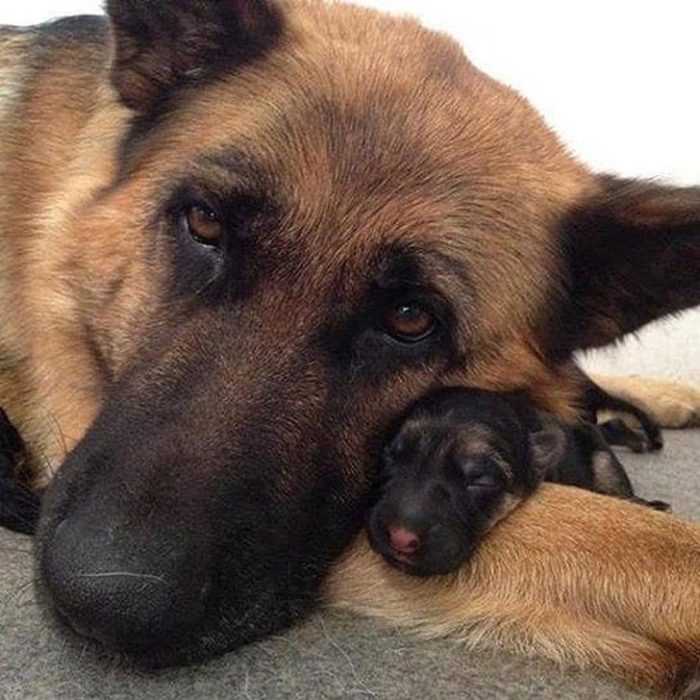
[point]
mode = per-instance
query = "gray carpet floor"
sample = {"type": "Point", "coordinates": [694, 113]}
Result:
{"type": "Point", "coordinates": [331, 656]}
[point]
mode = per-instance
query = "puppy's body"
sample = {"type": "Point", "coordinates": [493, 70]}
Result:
{"type": "Point", "coordinates": [464, 460]}
{"type": "Point", "coordinates": [228, 263]}
{"type": "Point", "coordinates": [589, 463]}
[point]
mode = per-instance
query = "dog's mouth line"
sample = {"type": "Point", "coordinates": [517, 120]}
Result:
{"type": "Point", "coordinates": [194, 646]}
{"type": "Point", "coordinates": [150, 578]}
{"type": "Point", "coordinates": [140, 654]}
{"type": "Point", "coordinates": [401, 558]}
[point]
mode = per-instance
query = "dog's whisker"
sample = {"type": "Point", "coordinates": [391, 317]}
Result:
{"type": "Point", "coordinates": [126, 574]}
{"type": "Point", "coordinates": [59, 431]}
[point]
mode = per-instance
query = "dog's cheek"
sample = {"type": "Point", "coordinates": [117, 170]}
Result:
{"type": "Point", "coordinates": [120, 273]}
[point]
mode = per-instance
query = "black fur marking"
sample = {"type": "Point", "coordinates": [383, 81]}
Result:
{"type": "Point", "coordinates": [628, 258]}
{"type": "Point", "coordinates": [79, 28]}
{"type": "Point", "coordinates": [595, 400]}
{"type": "Point", "coordinates": [162, 45]}
{"type": "Point", "coordinates": [617, 433]}
{"type": "Point", "coordinates": [19, 505]}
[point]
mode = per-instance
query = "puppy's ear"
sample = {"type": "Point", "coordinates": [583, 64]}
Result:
{"type": "Point", "coordinates": [631, 256]}
{"type": "Point", "coordinates": [547, 447]}
{"type": "Point", "coordinates": [160, 44]}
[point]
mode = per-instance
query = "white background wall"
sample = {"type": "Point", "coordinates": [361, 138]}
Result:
{"type": "Point", "coordinates": [618, 79]}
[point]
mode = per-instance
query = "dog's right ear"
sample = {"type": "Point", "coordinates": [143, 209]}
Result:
{"type": "Point", "coordinates": [162, 44]}
{"type": "Point", "coordinates": [630, 256]}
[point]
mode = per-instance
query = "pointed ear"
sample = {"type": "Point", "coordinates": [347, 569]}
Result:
{"type": "Point", "coordinates": [161, 44]}
{"type": "Point", "coordinates": [547, 447]}
{"type": "Point", "coordinates": [631, 256]}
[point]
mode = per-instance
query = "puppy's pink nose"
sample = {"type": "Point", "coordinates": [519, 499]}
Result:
{"type": "Point", "coordinates": [402, 540]}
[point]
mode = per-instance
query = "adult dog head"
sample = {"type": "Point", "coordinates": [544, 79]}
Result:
{"type": "Point", "coordinates": [273, 227]}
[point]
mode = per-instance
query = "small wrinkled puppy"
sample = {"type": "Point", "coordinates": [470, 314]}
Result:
{"type": "Point", "coordinates": [463, 459]}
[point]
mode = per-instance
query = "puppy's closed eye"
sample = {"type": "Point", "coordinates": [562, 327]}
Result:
{"type": "Point", "coordinates": [482, 475]}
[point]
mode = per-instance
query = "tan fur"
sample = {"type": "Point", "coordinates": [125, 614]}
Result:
{"type": "Point", "coordinates": [573, 576]}
{"type": "Point", "coordinates": [562, 577]}
{"type": "Point", "coordinates": [671, 404]}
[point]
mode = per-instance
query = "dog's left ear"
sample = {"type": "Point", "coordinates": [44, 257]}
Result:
{"type": "Point", "coordinates": [162, 44]}
{"type": "Point", "coordinates": [630, 257]}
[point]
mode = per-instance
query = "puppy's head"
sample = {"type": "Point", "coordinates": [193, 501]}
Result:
{"type": "Point", "coordinates": [460, 462]}
{"type": "Point", "coordinates": [315, 215]}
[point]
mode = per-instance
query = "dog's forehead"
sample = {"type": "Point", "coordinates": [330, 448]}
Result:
{"type": "Point", "coordinates": [373, 131]}
{"type": "Point", "coordinates": [356, 102]}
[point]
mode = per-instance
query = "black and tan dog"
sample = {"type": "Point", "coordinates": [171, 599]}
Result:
{"type": "Point", "coordinates": [238, 238]}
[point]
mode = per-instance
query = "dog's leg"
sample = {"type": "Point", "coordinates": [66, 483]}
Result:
{"type": "Point", "coordinates": [550, 580]}
{"type": "Point", "coordinates": [671, 404]}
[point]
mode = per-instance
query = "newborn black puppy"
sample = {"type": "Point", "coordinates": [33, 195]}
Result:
{"type": "Point", "coordinates": [462, 460]}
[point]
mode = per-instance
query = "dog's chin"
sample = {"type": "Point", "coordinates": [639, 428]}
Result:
{"type": "Point", "coordinates": [424, 566]}
{"type": "Point", "coordinates": [224, 629]}
{"type": "Point", "coordinates": [198, 647]}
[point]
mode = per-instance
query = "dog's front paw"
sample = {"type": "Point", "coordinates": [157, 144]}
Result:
{"type": "Point", "coordinates": [671, 404]}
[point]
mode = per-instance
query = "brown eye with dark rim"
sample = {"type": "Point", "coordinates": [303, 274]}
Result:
{"type": "Point", "coordinates": [409, 322]}
{"type": "Point", "coordinates": [203, 224]}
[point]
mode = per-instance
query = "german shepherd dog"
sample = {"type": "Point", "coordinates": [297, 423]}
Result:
{"type": "Point", "coordinates": [239, 239]}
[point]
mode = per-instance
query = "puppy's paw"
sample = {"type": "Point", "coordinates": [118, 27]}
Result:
{"type": "Point", "coordinates": [618, 434]}
{"type": "Point", "coordinates": [671, 404]}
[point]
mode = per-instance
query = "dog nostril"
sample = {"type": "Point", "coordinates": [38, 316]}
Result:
{"type": "Point", "coordinates": [403, 541]}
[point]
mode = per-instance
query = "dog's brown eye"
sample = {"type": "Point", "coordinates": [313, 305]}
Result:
{"type": "Point", "coordinates": [203, 224]}
{"type": "Point", "coordinates": [409, 323]}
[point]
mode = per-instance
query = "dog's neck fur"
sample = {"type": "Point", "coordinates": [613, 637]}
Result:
{"type": "Point", "coordinates": [68, 166]}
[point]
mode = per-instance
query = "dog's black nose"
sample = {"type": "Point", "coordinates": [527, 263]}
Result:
{"type": "Point", "coordinates": [129, 594]}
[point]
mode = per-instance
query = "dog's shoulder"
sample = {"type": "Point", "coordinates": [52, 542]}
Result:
{"type": "Point", "coordinates": [79, 28]}
{"type": "Point", "coordinates": [37, 46]}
